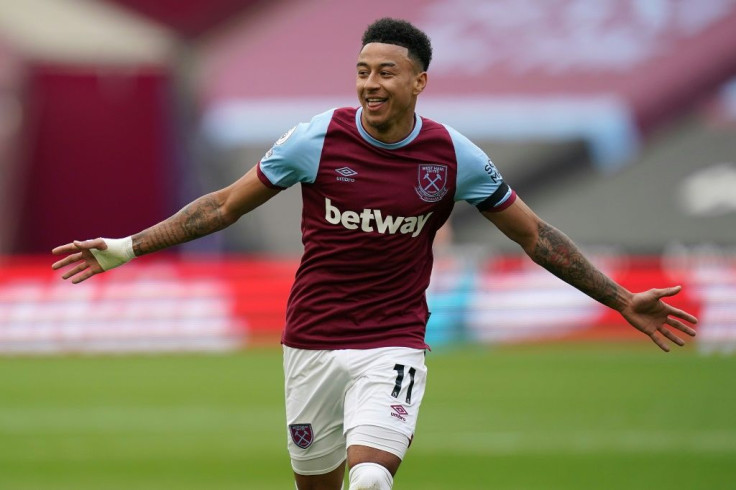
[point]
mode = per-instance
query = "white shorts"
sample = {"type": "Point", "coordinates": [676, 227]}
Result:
{"type": "Point", "coordinates": [338, 397]}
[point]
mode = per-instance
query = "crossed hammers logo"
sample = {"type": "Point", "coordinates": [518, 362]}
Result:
{"type": "Point", "coordinates": [433, 182]}
{"type": "Point", "coordinates": [302, 435]}
{"type": "Point", "coordinates": [431, 185]}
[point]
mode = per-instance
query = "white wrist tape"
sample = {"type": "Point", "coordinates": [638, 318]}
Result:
{"type": "Point", "coordinates": [119, 251]}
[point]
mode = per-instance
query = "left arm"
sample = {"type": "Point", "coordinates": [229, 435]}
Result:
{"type": "Point", "coordinates": [553, 250]}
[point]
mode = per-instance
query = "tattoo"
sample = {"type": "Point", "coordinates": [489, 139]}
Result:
{"type": "Point", "coordinates": [558, 254]}
{"type": "Point", "coordinates": [197, 219]}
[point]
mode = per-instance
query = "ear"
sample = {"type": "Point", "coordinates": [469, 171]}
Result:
{"type": "Point", "coordinates": [420, 82]}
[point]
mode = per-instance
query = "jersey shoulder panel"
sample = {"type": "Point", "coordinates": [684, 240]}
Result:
{"type": "Point", "coordinates": [477, 177]}
{"type": "Point", "coordinates": [345, 116]}
{"type": "Point", "coordinates": [295, 156]}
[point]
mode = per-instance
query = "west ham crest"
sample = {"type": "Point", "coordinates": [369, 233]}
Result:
{"type": "Point", "coordinates": [432, 184]}
{"type": "Point", "coordinates": [302, 435]}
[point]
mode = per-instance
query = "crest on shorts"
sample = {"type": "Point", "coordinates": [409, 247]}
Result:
{"type": "Point", "coordinates": [432, 182]}
{"type": "Point", "coordinates": [301, 434]}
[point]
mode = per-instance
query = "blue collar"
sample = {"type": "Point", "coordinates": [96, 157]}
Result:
{"type": "Point", "coordinates": [388, 146]}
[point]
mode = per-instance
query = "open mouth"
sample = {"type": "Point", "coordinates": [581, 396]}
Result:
{"type": "Point", "coordinates": [374, 102]}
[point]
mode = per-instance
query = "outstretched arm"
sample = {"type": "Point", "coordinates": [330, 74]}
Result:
{"type": "Point", "coordinates": [553, 250]}
{"type": "Point", "coordinates": [207, 214]}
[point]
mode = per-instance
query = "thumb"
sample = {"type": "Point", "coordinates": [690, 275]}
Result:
{"type": "Point", "coordinates": [662, 293]}
{"type": "Point", "coordinates": [98, 243]}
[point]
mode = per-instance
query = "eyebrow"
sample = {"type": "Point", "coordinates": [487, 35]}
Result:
{"type": "Point", "coordinates": [390, 64]}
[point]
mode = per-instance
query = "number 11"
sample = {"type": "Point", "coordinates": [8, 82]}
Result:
{"type": "Point", "coordinates": [399, 368]}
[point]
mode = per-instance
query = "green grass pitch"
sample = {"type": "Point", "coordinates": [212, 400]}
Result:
{"type": "Point", "coordinates": [577, 416]}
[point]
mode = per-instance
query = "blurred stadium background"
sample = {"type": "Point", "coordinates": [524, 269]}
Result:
{"type": "Point", "coordinates": [615, 120]}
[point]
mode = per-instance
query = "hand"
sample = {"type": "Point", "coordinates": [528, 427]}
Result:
{"type": "Point", "coordinates": [649, 314]}
{"type": "Point", "coordinates": [79, 251]}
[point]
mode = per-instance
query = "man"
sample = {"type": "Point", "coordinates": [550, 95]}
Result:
{"type": "Point", "coordinates": [377, 183]}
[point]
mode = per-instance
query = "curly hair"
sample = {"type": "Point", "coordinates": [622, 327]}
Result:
{"type": "Point", "coordinates": [401, 33]}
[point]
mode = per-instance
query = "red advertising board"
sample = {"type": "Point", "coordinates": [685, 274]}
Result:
{"type": "Point", "coordinates": [171, 304]}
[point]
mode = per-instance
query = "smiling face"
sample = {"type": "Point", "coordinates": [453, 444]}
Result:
{"type": "Point", "coordinates": [388, 82]}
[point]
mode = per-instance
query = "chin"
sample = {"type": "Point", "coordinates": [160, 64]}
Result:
{"type": "Point", "coordinates": [376, 123]}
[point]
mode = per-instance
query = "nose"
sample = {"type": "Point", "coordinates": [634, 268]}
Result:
{"type": "Point", "coordinates": [372, 82]}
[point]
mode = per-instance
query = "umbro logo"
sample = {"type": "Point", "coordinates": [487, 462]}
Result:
{"type": "Point", "coordinates": [399, 412]}
{"type": "Point", "coordinates": [346, 174]}
{"type": "Point", "coordinates": [346, 171]}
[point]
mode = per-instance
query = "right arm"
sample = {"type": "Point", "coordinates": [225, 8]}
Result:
{"type": "Point", "coordinates": [207, 214]}
{"type": "Point", "coordinates": [210, 213]}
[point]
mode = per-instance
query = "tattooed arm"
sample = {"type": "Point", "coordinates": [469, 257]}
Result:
{"type": "Point", "coordinates": [208, 214]}
{"type": "Point", "coordinates": [198, 218]}
{"type": "Point", "coordinates": [553, 250]}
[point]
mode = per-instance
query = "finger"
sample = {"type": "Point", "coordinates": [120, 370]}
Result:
{"type": "Point", "coordinates": [680, 326]}
{"type": "Point", "coordinates": [662, 293]}
{"type": "Point", "coordinates": [681, 314]}
{"type": "Point", "coordinates": [83, 276]}
{"type": "Point", "coordinates": [75, 271]}
{"type": "Point", "coordinates": [672, 337]}
{"type": "Point", "coordinates": [64, 249]}
{"type": "Point", "coordinates": [66, 261]}
{"type": "Point", "coordinates": [660, 343]}
{"type": "Point", "coordinates": [97, 243]}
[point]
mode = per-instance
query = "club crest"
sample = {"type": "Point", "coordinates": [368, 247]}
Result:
{"type": "Point", "coordinates": [432, 182]}
{"type": "Point", "coordinates": [302, 435]}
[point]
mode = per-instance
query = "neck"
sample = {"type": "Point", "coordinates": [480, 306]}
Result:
{"type": "Point", "coordinates": [390, 133]}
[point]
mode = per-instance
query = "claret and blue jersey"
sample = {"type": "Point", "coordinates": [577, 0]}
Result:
{"type": "Point", "coordinates": [370, 213]}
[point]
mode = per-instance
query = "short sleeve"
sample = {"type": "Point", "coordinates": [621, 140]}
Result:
{"type": "Point", "coordinates": [294, 158]}
{"type": "Point", "coordinates": [478, 181]}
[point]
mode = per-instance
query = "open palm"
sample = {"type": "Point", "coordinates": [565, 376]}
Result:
{"type": "Point", "coordinates": [652, 316]}
{"type": "Point", "coordinates": [79, 253]}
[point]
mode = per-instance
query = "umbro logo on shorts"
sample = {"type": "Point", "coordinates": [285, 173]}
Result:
{"type": "Point", "coordinates": [399, 412]}
{"type": "Point", "coordinates": [301, 434]}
